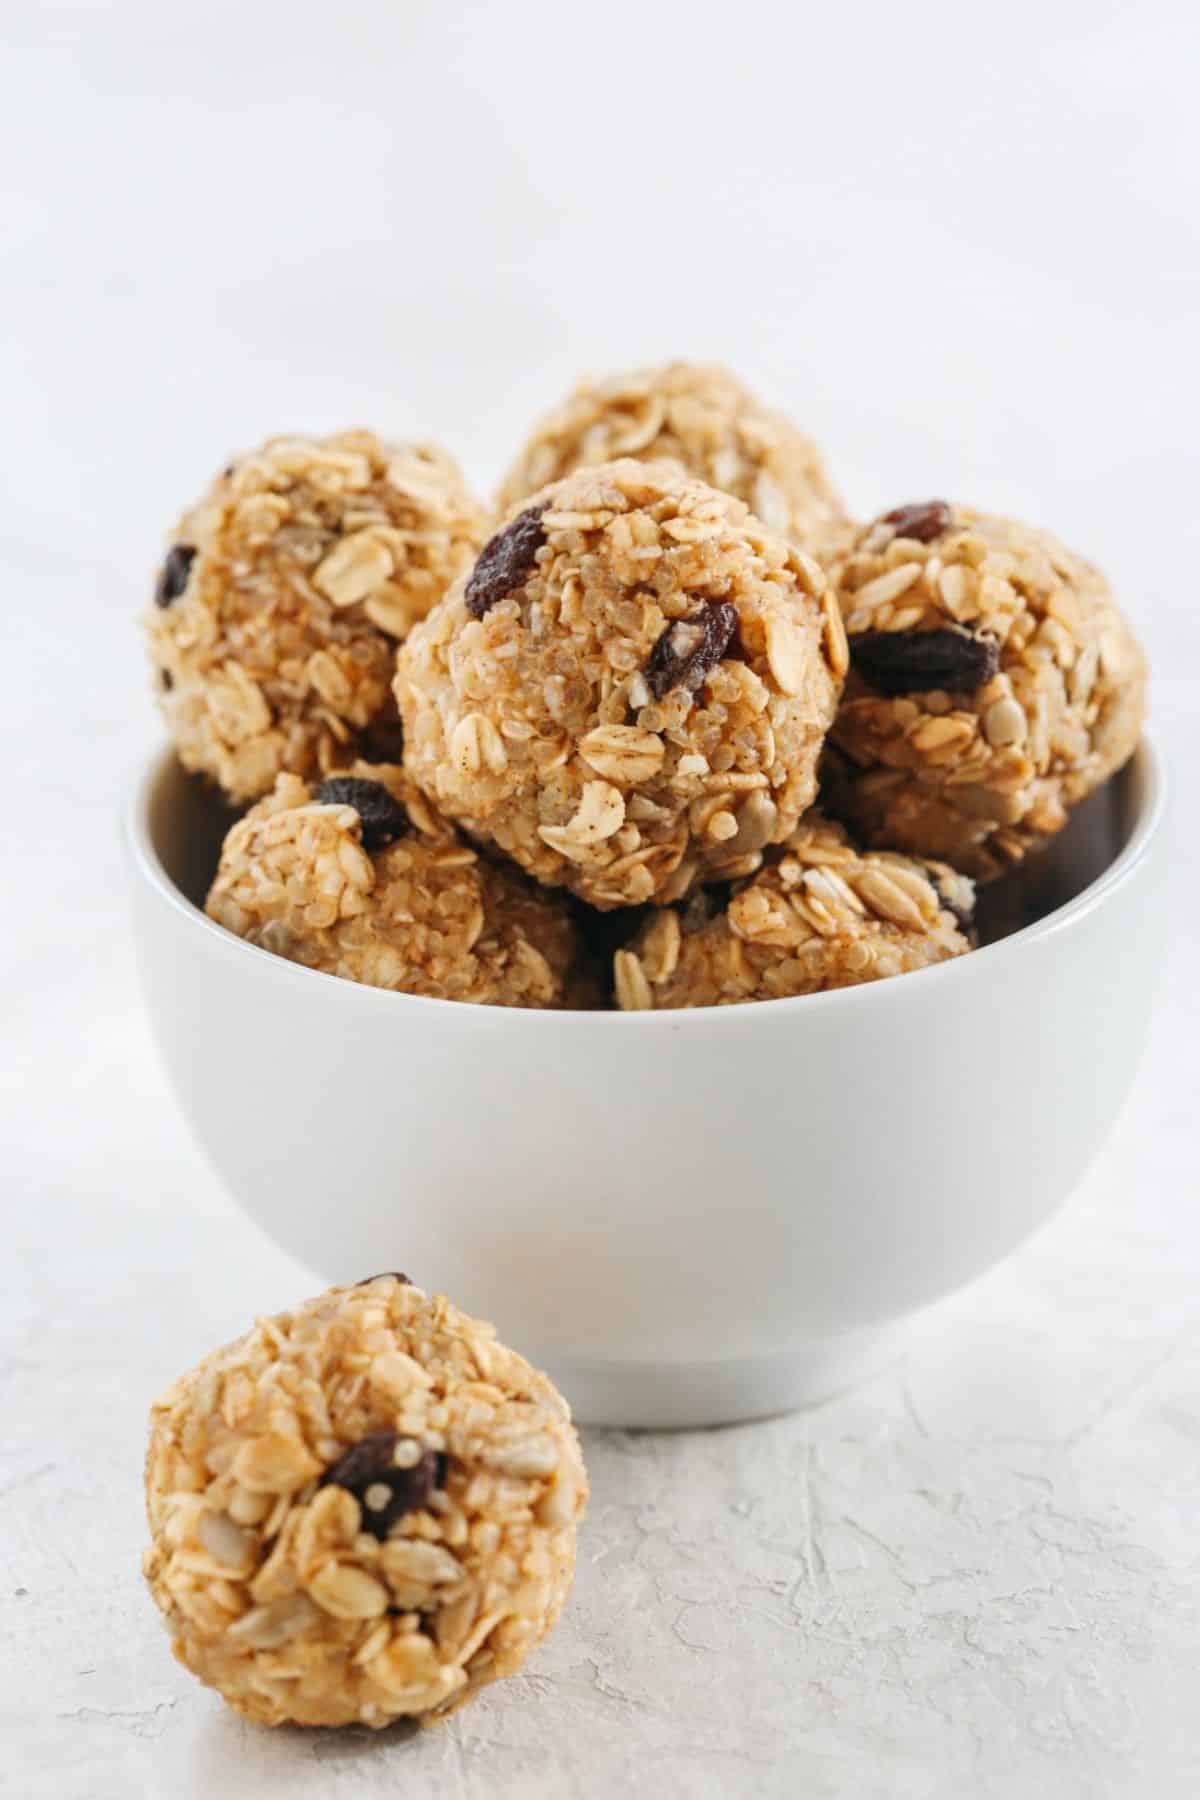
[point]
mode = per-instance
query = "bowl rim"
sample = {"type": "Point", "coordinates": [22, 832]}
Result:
{"type": "Point", "coordinates": [1147, 826]}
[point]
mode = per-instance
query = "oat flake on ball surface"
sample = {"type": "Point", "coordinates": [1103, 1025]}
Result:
{"type": "Point", "coordinates": [363, 1509]}
{"type": "Point", "coordinates": [628, 692]}
{"type": "Point", "coordinates": [281, 601]}
{"type": "Point", "coordinates": [704, 420]}
{"type": "Point", "coordinates": [358, 876]}
{"type": "Point", "coordinates": [994, 684]}
{"type": "Point", "coordinates": [821, 915]}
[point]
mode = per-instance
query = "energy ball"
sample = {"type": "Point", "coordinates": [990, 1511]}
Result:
{"type": "Point", "coordinates": [629, 692]}
{"type": "Point", "coordinates": [358, 876]}
{"type": "Point", "coordinates": [284, 594]}
{"type": "Point", "coordinates": [363, 1509]}
{"type": "Point", "coordinates": [822, 915]}
{"type": "Point", "coordinates": [993, 685]}
{"type": "Point", "coordinates": [704, 420]}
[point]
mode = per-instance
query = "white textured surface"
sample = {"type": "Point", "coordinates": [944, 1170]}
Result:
{"type": "Point", "coordinates": [969, 264]}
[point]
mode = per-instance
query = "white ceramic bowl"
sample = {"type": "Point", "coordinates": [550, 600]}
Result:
{"type": "Point", "coordinates": [686, 1217]}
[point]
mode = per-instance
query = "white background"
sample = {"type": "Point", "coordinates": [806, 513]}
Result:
{"type": "Point", "coordinates": [962, 246]}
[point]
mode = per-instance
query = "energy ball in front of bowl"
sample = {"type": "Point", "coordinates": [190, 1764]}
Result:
{"type": "Point", "coordinates": [994, 684]}
{"type": "Point", "coordinates": [364, 1509]}
{"type": "Point", "coordinates": [704, 420]}
{"type": "Point", "coordinates": [283, 596]}
{"type": "Point", "coordinates": [357, 876]}
{"type": "Point", "coordinates": [629, 692]}
{"type": "Point", "coordinates": [820, 915]}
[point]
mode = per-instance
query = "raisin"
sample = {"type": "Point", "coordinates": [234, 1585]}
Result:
{"type": "Point", "coordinates": [923, 520]}
{"type": "Point", "coordinates": [384, 1488]}
{"type": "Point", "coordinates": [166, 680]}
{"type": "Point", "coordinates": [505, 561]}
{"type": "Point", "coordinates": [383, 819]}
{"type": "Point", "coordinates": [174, 575]}
{"type": "Point", "coordinates": [690, 647]}
{"type": "Point", "coordinates": [914, 662]}
{"type": "Point", "coordinates": [383, 1276]}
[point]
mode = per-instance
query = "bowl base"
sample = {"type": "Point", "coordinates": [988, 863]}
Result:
{"type": "Point", "coordinates": [670, 1396]}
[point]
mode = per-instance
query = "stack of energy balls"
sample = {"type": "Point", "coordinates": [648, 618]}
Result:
{"type": "Point", "coordinates": [569, 755]}
{"type": "Point", "coordinates": [572, 754]}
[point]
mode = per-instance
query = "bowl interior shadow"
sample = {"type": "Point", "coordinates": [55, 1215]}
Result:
{"type": "Point", "coordinates": [1095, 835]}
